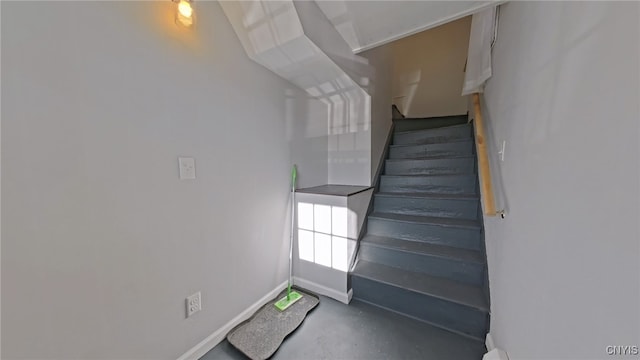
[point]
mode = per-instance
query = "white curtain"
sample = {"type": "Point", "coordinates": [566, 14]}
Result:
{"type": "Point", "coordinates": [479, 55]}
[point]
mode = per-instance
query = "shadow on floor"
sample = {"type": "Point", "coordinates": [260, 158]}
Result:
{"type": "Point", "coordinates": [361, 331]}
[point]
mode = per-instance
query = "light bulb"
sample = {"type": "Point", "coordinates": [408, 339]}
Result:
{"type": "Point", "coordinates": [185, 13]}
{"type": "Point", "coordinates": [185, 9]}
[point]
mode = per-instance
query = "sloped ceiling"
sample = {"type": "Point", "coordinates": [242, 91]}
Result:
{"type": "Point", "coordinates": [367, 24]}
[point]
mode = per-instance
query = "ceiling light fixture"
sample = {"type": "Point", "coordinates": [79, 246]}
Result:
{"type": "Point", "coordinates": [184, 12]}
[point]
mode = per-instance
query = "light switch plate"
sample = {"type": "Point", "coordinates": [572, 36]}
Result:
{"type": "Point", "coordinates": [187, 166]}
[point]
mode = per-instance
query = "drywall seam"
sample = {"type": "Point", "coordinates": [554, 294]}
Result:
{"type": "Point", "coordinates": [214, 339]}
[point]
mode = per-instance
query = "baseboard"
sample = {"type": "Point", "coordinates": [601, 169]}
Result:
{"type": "Point", "coordinates": [323, 290]}
{"type": "Point", "coordinates": [496, 354]}
{"type": "Point", "coordinates": [214, 339]}
{"type": "Point", "coordinates": [493, 353]}
{"type": "Point", "coordinates": [489, 342]}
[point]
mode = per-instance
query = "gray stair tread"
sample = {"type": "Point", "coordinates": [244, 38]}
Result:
{"type": "Point", "coordinates": [433, 158]}
{"type": "Point", "coordinates": [434, 117]}
{"type": "Point", "coordinates": [438, 287]}
{"type": "Point", "coordinates": [427, 220]}
{"type": "Point", "coordinates": [423, 248]}
{"type": "Point", "coordinates": [432, 129]}
{"type": "Point", "coordinates": [335, 190]}
{"type": "Point", "coordinates": [430, 175]}
{"type": "Point", "coordinates": [456, 140]}
{"type": "Point", "coordinates": [429, 195]}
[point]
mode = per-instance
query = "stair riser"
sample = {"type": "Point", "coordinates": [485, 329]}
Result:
{"type": "Point", "coordinates": [429, 123]}
{"type": "Point", "coordinates": [441, 235]}
{"type": "Point", "coordinates": [436, 184]}
{"type": "Point", "coordinates": [459, 148]}
{"type": "Point", "coordinates": [446, 314]}
{"type": "Point", "coordinates": [432, 136]}
{"type": "Point", "coordinates": [430, 167]}
{"type": "Point", "coordinates": [461, 209]}
{"type": "Point", "coordinates": [469, 273]}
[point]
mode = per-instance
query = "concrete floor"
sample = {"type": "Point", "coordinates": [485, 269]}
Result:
{"type": "Point", "coordinates": [361, 331]}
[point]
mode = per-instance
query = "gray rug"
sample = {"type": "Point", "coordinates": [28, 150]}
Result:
{"type": "Point", "coordinates": [261, 335]}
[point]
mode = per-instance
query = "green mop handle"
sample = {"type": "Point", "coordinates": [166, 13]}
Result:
{"type": "Point", "coordinates": [294, 175]}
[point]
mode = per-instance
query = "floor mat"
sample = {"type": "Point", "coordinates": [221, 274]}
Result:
{"type": "Point", "coordinates": [261, 335]}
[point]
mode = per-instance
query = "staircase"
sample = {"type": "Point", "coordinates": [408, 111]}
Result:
{"type": "Point", "coordinates": [423, 253]}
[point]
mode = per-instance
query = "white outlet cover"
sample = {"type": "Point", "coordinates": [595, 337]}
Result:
{"type": "Point", "coordinates": [193, 303]}
{"type": "Point", "coordinates": [187, 166]}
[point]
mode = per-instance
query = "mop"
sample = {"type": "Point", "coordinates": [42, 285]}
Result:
{"type": "Point", "coordinates": [292, 296]}
{"type": "Point", "coordinates": [260, 336]}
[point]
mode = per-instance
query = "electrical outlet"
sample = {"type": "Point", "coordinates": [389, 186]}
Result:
{"type": "Point", "coordinates": [194, 304]}
{"type": "Point", "coordinates": [187, 167]}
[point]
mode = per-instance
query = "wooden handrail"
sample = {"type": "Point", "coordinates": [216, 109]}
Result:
{"type": "Point", "coordinates": [483, 160]}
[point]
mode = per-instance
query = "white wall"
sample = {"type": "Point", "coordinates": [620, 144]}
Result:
{"type": "Point", "coordinates": [563, 266]}
{"type": "Point", "coordinates": [322, 32]}
{"type": "Point", "coordinates": [307, 134]}
{"type": "Point", "coordinates": [379, 86]}
{"type": "Point", "coordinates": [329, 279]}
{"type": "Point", "coordinates": [284, 49]}
{"type": "Point", "coordinates": [358, 130]}
{"type": "Point", "coordinates": [368, 24]}
{"type": "Point", "coordinates": [349, 123]}
{"type": "Point", "coordinates": [0, 191]}
{"type": "Point", "coordinates": [428, 70]}
{"type": "Point", "coordinates": [297, 42]}
{"type": "Point", "coordinates": [101, 242]}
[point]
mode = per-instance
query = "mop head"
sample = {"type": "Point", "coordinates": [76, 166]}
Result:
{"type": "Point", "coordinates": [288, 300]}
{"type": "Point", "coordinates": [260, 337]}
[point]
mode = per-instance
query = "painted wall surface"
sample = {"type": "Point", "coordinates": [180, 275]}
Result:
{"type": "Point", "coordinates": [368, 24]}
{"type": "Point", "coordinates": [272, 35]}
{"type": "Point", "coordinates": [563, 266]}
{"type": "Point", "coordinates": [285, 37]}
{"type": "Point", "coordinates": [379, 86]}
{"type": "Point", "coordinates": [358, 206]}
{"type": "Point", "coordinates": [314, 268]}
{"type": "Point", "coordinates": [308, 139]}
{"type": "Point", "coordinates": [296, 41]}
{"type": "Point", "coordinates": [349, 122]}
{"type": "Point", "coordinates": [101, 242]}
{"type": "Point", "coordinates": [428, 70]}
{"type": "Point", "coordinates": [322, 32]}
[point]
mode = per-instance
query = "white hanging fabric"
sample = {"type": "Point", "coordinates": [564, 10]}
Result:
{"type": "Point", "coordinates": [479, 54]}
